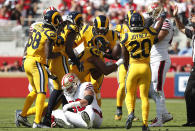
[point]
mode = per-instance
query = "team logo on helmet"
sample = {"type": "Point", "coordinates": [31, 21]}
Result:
{"type": "Point", "coordinates": [53, 18]}
{"type": "Point", "coordinates": [70, 83]}
{"type": "Point", "coordinates": [154, 10]}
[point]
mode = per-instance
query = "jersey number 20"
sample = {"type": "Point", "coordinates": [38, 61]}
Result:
{"type": "Point", "coordinates": [136, 46]}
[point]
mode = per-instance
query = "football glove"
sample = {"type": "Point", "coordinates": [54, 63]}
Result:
{"type": "Point", "coordinates": [70, 105]}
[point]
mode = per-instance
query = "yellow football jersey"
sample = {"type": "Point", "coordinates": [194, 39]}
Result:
{"type": "Point", "coordinates": [87, 35]}
{"type": "Point", "coordinates": [59, 46]}
{"type": "Point", "coordinates": [36, 43]}
{"type": "Point", "coordinates": [122, 29]}
{"type": "Point", "coordinates": [139, 44]}
{"type": "Point", "coordinates": [88, 52]}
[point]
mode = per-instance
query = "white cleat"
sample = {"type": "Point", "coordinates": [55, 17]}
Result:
{"type": "Point", "coordinates": [156, 124]}
{"type": "Point", "coordinates": [166, 117]}
{"type": "Point", "coordinates": [86, 118]}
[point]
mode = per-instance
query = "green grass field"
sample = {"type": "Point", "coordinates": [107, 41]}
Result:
{"type": "Point", "coordinates": [176, 107]}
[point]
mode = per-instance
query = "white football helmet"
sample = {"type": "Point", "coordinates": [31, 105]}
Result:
{"type": "Point", "coordinates": [70, 83]}
{"type": "Point", "coordinates": [154, 10]}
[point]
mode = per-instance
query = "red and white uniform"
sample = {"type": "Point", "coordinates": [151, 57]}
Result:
{"type": "Point", "coordinates": [159, 51]}
{"type": "Point", "coordinates": [159, 60]}
{"type": "Point", "coordinates": [160, 63]}
{"type": "Point", "coordinates": [74, 118]}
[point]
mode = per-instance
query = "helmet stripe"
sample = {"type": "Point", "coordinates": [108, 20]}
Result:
{"type": "Point", "coordinates": [77, 17]}
{"type": "Point", "coordinates": [98, 22]}
{"type": "Point", "coordinates": [106, 22]}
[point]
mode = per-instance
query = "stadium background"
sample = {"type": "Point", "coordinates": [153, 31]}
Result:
{"type": "Point", "coordinates": [17, 15]}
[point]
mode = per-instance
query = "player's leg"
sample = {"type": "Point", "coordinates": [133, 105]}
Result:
{"type": "Point", "coordinates": [155, 69]}
{"type": "Point", "coordinates": [166, 116]}
{"type": "Point", "coordinates": [60, 119]}
{"type": "Point", "coordinates": [144, 85]}
{"type": "Point", "coordinates": [97, 88]}
{"type": "Point", "coordinates": [121, 75]}
{"type": "Point", "coordinates": [40, 78]}
{"type": "Point", "coordinates": [59, 68]}
{"type": "Point", "coordinates": [159, 70]}
{"type": "Point", "coordinates": [21, 118]}
{"type": "Point", "coordinates": [131, 89]}
{"type": "Point", "coordinates": [189, 92]}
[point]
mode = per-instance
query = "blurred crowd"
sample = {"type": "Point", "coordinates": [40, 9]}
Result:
{"type": "Point", "coordinates": [11, 67]}
{"type": "Point", "coordinates": [22, 10]}
{"type": "Point", "coordinates": [25, 13]}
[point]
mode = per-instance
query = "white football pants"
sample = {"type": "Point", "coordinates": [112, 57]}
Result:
{"type": "Point", "coordinates": [159, 70]}
{"type": "Point", "coordinates": [76, 119]}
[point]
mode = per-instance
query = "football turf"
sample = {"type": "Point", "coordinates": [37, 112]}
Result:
{"type": "Point", "coordinates": [175, 106]}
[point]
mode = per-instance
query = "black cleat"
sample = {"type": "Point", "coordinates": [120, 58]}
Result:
{"type": "Point", "coordinates": [129, 120]}
{"type": "Point", "coordinates": [189, 124]}
{"type": "Point", "coordinates": [17, 113]}
{"type": "Point", "coordinates": [23, 120]}
{"type": "Point", "coordinates": [47, 120]}
{"type": "Point", "coordinates": [145, 128]}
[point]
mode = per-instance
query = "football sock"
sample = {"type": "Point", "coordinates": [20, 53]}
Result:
{"type": "Point", "coordinates": [39, 107]}
{"type": "Point", "coordinates": [120, 95]}
{"type": "Point", "coordinates": [119, 109]}
{"type": "Point", "coordinates": [32, 110]}
{"type": "Point", "coordinates": [28, 102]}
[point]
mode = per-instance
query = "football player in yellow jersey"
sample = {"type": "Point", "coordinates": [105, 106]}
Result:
{"type": "Point", "coordinates": [39, 48]}
{"type": "Point", "coordinates": [121, 72]}
{"type": "Point", "coordinates": [136, 46]}
{"type": "Point", "coordinates": [100, 26]}
{"type": "Point", "coordinates": [59, 65]}
{"type": "Point", "coordinates": [92, 58]}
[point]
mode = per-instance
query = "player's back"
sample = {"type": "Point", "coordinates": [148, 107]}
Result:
{"type": "Point", "coordinates": [139, 44]}
{"type": "Point", "coordinates": [36, 43]}
{"type": "Point", "coordinates": [83, 57]}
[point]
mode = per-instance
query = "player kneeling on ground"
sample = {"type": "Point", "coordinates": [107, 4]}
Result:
{"type": "Point", "coordinates": [81, 99]}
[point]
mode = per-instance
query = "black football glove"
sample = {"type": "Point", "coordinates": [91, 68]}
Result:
{"type": "Point", "coordinates": [80, 66]}
{"type": "Point", "coordinates": [77, 63]}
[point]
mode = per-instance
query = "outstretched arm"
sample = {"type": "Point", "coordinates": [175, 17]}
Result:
{"type": "Point", "coordinates": [69, 49]}
{"type": "Point", "coordinates": [105, 69]}
{"type": "Point", "coordinates": [180, 26]}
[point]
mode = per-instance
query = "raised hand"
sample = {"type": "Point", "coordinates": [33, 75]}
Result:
{"type": "Point", "coordinates": [175, 11]}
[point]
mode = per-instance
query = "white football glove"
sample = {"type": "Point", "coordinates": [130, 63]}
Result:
{"type": "Point", "coordinates": [70, 105]}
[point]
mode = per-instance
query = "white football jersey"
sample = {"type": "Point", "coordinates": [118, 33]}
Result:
{"type": "Point", "coordinates": [159, 50]}
{"type": "Point", "coordinates": [80, 95]}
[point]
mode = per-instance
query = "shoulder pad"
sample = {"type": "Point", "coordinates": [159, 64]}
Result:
{"type": "Point", "coordinates": [124, 38]}
{"type": "Point", "coordinates": [51, 34]}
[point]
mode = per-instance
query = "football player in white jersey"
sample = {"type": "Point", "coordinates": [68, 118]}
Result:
{"type": "Point", "coordinates": [160, 63]}
{"type": "Point", "coordinates": [81, 99]}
